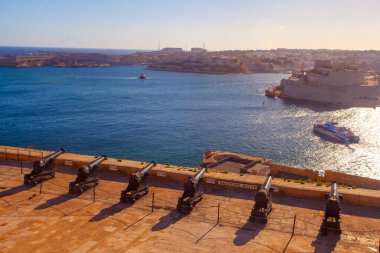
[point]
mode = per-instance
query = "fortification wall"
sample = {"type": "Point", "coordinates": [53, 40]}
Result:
{"type": "Point", "coordinates": [179, 174]}
{"type": "Point", "coordinates": [358, 181]}
{"type": "Point", "coordinates": [309, 173]}
{"type": "Point", "coordinates": [318, 93]}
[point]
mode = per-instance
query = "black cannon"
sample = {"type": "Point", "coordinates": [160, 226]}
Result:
{"type": "Point", "coordinates": [86, 176]}
{"type": "Point", "coordinates": [43, 169]}
{"type": "Point", "coordinates": [263, 202]}
{"type": "Point", "coordinates": [331, 220]}
{"type": "Point", "coordinates": [137, 186]}
{"type": "Point", "coordinates": [193, 192]}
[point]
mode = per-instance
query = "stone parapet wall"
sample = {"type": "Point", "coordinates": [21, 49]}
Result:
{"type": "Point", "coordinates": [358, 181]}
{"type": "Point", "coordinates": [309, 173]}
{"type": "Point", "coordinates": [342, 178]}
{"type": "Point", "coordinates": [179, 174]}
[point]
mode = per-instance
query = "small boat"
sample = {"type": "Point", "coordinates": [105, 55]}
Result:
{"type": "Point", "coordinates": [331, 131]}
{"type": "Point", "coordinates": [273, 92]}
{"type": "Point", "coordinates": [142, 76]}
{"type": "Point", "coordinates": [270, 92]}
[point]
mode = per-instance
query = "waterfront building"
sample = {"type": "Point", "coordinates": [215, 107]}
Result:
{"type": "Point", "coordinates": [171, 50]}
{"type": "Point", "coordinates": [198, 50]}
{"type": "Point", "coordinates": [338, 83]}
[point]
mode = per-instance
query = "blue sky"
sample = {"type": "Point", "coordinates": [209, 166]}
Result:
{"type": "Point", "coordinates": [222, 24]}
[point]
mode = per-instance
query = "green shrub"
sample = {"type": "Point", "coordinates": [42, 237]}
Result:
{"type": "Point", "coordinates": [309, 180]}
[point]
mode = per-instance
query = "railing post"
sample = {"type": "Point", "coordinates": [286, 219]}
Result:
{"type": "Point", "coordinates": [18, 155]}
{"type": "Point", "coordinates": [21, 166]}
{"type": "Point", "coordinates": [218, 213]}
{"type": "Point", "coordinates": [152, 202]}
{"type": "Point", "coordinates": [41, 187]}
{"type": "Point", "coordinates": [294, 224]}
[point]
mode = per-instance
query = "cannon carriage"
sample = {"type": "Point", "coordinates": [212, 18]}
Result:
{"type": "Point", "coordinates": [192, 192]}
{"type": "Point", "coordinates": [86, 176]}
{"type": "Point", "coordinates": [332, 219]}
{"type": "Point", "coordinates": [43, 169]}
{"type": "Point", "coordinates": [137, 186]}
{"type": "Point", "coordinates": [263, 202]}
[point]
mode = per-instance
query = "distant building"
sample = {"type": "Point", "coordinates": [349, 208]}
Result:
{"type": "Point", "coordinates": [340, 83]}
{"type": "Point", "coordinates": [171, 50]}
{"type": "Point", "coordinates": [198, 50]}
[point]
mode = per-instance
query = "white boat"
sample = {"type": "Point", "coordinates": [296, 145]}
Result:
{"type": "Point", "coordinates": [332, 132]}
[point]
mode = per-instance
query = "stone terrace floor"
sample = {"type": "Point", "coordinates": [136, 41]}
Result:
{"type": "Point", "coordinates": [55, 221]}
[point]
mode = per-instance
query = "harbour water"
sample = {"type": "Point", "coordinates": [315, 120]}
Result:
{"type": "Point", "coordinates": [174, 117]}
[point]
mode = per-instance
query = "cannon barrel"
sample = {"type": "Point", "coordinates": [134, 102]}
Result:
{"type": "Point", "coordinates": [333, 202]}
{"type": "Point", "coordinates": [333, 209]}
{"type": "Point", "coordinates": [263, 196]}
{"type": "Point", "coordinates": [263, 201]}
{"type": "Point", "coordinates": [192, 193]}
{"type": "Point", "coordinates": [199, 175]}
{"type": "Point", "coordinates": [334, 194]}
{"type": "Point", "coordinates": [137, 186]}
{"type": "Point", "coordinates": [96, 162]}
{"type": "Point", "coordinates": [267, 183]}
{"type": "Point", "coordinates": [147, 168]}
{"type": "Point", "coordinates": [52, 156]}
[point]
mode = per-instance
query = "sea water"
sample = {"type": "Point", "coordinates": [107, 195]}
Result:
{"type": "Point", "coordinates": [174, 117]}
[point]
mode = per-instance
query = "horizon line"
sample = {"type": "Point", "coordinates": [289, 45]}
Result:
{"type": "Point", "coordinates": [141, 49]}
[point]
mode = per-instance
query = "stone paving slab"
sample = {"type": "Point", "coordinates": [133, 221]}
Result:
{"type": "Point", "coordinates": [54, 221]}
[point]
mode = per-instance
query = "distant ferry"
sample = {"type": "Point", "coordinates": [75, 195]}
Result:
{"type": "Point", "coordinates": [142, 76]}
{"type": "Point", "coordinates": [331, 131]}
